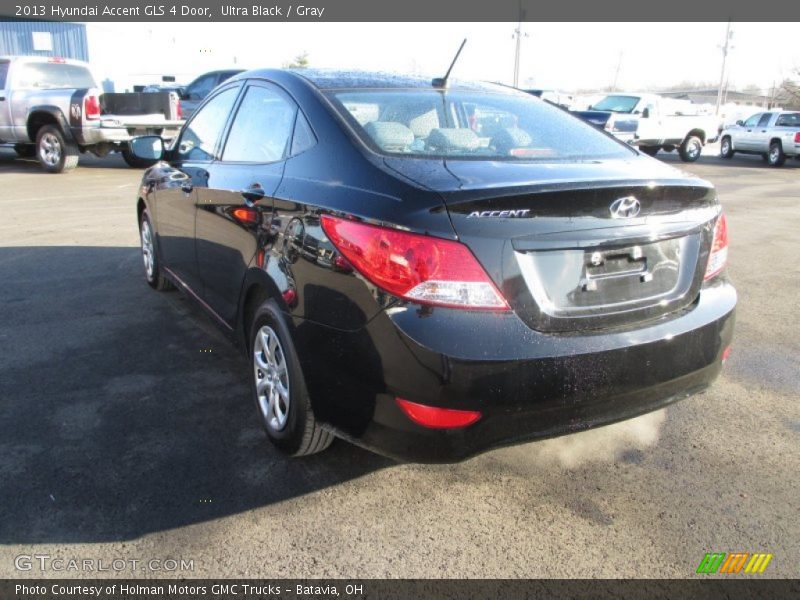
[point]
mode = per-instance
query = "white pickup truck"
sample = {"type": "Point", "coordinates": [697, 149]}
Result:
{"type": "Point", "coordinates": [52, 108]}
{"type": "Point", "coordinates": [774, 135]}
{"type": "Point", "coordinates": [653, 123]}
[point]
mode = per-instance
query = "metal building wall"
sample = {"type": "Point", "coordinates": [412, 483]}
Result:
{"type": "Point", "coordinates": [68, 39]}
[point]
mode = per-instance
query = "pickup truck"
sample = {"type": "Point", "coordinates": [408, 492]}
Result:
{"type": "Point", "coordinates": [774, 135]}
{"type": "Point", "coordinates": [653, 123]}
{"type": "Point", "coordinates": [53, 109]}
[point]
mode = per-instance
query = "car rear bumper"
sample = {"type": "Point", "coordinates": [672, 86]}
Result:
{"type": "Point", "coordinates": [527, 385]}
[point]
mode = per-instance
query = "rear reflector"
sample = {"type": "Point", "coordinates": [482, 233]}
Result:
{"type": "Point", "coordinates": [718, 257]}
{"type": "Point", "coordinates": [415, 267]}
{"type": "Point", "coordinates": [726, 354]}
{"type": "Point", "coordinates": [437, 418]}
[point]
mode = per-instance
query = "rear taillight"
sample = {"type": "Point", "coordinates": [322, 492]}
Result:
{"type": "Point", "coordinates": [434, 417]}
{"type": "Point", "coordinates": [91, 107]}
{"type": "Point", "coordinates": [719, 248]}
{"type": "Point", "coordinates": [178, 109]}
{"type": "Point", "coordinates": [797, 138]}
{"type": "Point", "coordinates": [415, 267]}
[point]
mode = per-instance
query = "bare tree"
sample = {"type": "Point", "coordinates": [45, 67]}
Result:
{"type": "Point", "coordinates": [300, 62]}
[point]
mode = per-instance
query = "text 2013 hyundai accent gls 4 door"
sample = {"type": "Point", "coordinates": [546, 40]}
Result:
{"type": "Point", "coordinates": [430, 272]}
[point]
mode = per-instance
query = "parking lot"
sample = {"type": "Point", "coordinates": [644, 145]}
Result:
{"type": "Point", "coordinates": [127, 430]}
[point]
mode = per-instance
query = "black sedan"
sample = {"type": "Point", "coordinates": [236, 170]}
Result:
{"type": "Point", "coordinates": [433, 269]}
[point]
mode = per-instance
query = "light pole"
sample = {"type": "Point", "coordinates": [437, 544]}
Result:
{"type": "Point", "coordinates": [518, 35]}
{"type": "Point", "coordinates": [725, 49]}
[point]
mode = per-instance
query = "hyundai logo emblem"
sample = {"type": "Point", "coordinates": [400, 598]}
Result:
{"type": "Point", "coordinates": [625, 208]}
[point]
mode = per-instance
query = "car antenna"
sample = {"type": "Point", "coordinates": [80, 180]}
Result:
{"type": "Point", "coordinates": [441, 82]}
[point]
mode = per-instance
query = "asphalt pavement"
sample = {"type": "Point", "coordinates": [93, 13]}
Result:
{"type": "Point", "coordinates": [127, 431]}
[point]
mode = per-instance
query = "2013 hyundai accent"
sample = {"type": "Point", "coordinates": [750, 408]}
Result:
{"type": "Point", "coordinates": [430, 269]}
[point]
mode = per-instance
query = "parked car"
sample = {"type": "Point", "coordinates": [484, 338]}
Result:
{"type": "Point", "coordinates": [654, 123]}
{"type": "Point", "coordinates": [562, 99]}
{"type": "Point", "coordinates": [53, 109]}
{"type": "Point", "coordinates": [429, 271]}
{"type": "Point", "coordinates": [180, 90]}
{"type": "Point", "coordinates": [774, 135]}
{"type": "Point", "coordinates": [196, 91]}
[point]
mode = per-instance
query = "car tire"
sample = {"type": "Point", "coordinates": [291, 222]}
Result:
{"type": "Point", "coordinates": [134, 161]}
{"type": "Point", "coordinates": [650, 150]}
{"type": "Point", "coordinates": [25, 150]}
{"type": "Point", "coordinates": [55, 154]}
{"type": "Point", "coordinates": [776, 156]}
{"type": "Point", "coordinates": [690, 149]}
{"type": "Point", "coordinates": [726, 148]}
{"type": "Point", "coordinates": [279, 389]}
{"type": "Point", "coordinates": [152, 269]}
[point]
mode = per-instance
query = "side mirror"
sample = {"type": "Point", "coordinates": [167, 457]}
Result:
{"type": "Point", "coordinates": [646, 113]}
{"type": "Point", "coordinates": [147, 147]}
{"type": "Point", "coordinates": [740, 123]}
{"type": "Point", "coordinates": [590, 107]}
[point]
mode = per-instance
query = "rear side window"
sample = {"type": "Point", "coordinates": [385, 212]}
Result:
{"type": "Point", "coordinates": [471, 125]}
{"type": "Point", "coordinates": [303, 136]}
{"type": "Point", "coordinates": [764, 120]}
{"type": "Point", "coordinates": [3, 73]}
{"type": "Point", "coordinates": [200, 136]}
{"type": "Point", "coordinates": [53, 76]}
{"type": "Point", "coordinates": [785, 120]}
{"type": "Point", "coordinates": [202, 87]}
{"type": "Point", "coordinates": [262, 127]}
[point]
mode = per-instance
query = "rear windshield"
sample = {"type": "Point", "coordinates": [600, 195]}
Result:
{"type": "Point", "coordinates": [788, 120]}
{"type": "Point", "coordinates": [53, 75]}
{"type": "Point", "coordinates": [470, 125]}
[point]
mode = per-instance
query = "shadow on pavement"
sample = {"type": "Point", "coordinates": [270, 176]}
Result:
{"type": "Point", "coordinates": [125, 411]}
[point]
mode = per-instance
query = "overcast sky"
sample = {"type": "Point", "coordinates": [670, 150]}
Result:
{"type": "Point", "coordinates": [567, 56]}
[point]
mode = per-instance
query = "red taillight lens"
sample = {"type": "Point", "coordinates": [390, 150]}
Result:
{"type": "Point", "coordinates": [245, 215]}
{"type": "Point", "coordinates": [415, 267]}
{"type": "Point", "coordinates": [719, 248]}
{"type": "Point", "coordinates": [91, 107]}
{"type": "Point", "coordinates": [797, 138]}
{"type": "Point", "coordinates": [178, 109]}
{"type": "Point", "coordinates": [437, 418]}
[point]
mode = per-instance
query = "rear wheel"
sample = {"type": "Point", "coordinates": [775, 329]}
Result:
{"type": "Point", "coordinates": [650, 150]}
{"type": "Point", "coordinates": [776, 157]}
{"type": "Point", "coordinates": [279, 388]}
{"type": "Point", "coordinates": [152, 269]}
{"type": "Point", "coordinates": [726, 148]}
{"type": "Point", "coordinates": [25, 150]}
{"type": "Point", "coordinates": [690, 149]}
{"type": "Point", "coordinates": [55, 154]}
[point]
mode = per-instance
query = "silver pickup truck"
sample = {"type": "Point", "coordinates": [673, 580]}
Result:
{"type": "Point", "coordinates": [774, 135]}
{"type": "Point", "coordinates": [53, 109]}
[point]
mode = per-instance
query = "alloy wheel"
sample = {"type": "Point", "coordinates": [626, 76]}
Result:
{"type": "Point", "coordinates": [148, 255]}
{"type": "Point", "coordinates": [50, 149]}
{"type": "Point", "coordinates": [271, 377]}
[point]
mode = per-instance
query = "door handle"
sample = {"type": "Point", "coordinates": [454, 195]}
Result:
{"type": "Point", "coordinates": [2, 98]}
{"type": "Point", "coordinates": [187, 187]}
{"type": "Point", "coordinates": [253, 193]}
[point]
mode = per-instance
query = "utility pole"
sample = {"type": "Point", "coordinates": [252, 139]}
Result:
{"type": "Point", "coordinates": [518, 35]}
{"type": "Point", "coordinates": [725, 49]}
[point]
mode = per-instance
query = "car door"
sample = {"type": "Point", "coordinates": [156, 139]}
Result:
{"type": "Point", "coordinates": [743, 139]}
{"type": "Point", "coordinates": [760, 135]}
{"type": "Point", "coordinates": [180, 180]}
{"type": "Point", "coordinates": [238, 202]}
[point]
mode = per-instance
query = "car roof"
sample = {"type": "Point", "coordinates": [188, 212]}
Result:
{"type": "Point", "coordinates": [331, 79]}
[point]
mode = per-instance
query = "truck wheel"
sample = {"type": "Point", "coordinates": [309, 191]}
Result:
{"type": "Point", "coordinates": [54, 153]}
{"type": "Point", "coordinates": [726, 148]}
{"type": "Point", "coordinates": [776, 157]}
{"type": "Point", "coordinates": [279, 388]}
{"type": "Point", "coordinates": [25, 150]}
{"type": "Point", "coordinates": [135, 161]}
{"type": "Point", "coordinates": [650, 150]}
{"type": "Point", "coordinates": [690, 149]}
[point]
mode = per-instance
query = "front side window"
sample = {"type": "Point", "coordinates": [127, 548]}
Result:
{"type": "Point", "coordinates": [262, 127]}
{"type": "Point", "coordinates": [470, 125]}
{"type": "Point", "coordinates": [48, 76]}
{"type": "Point", "coordinates": [3, 73]}
{"type": "Point", "coordinates": [751, 122]}
{"type": "Point", "coordinates": [200, 136]}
